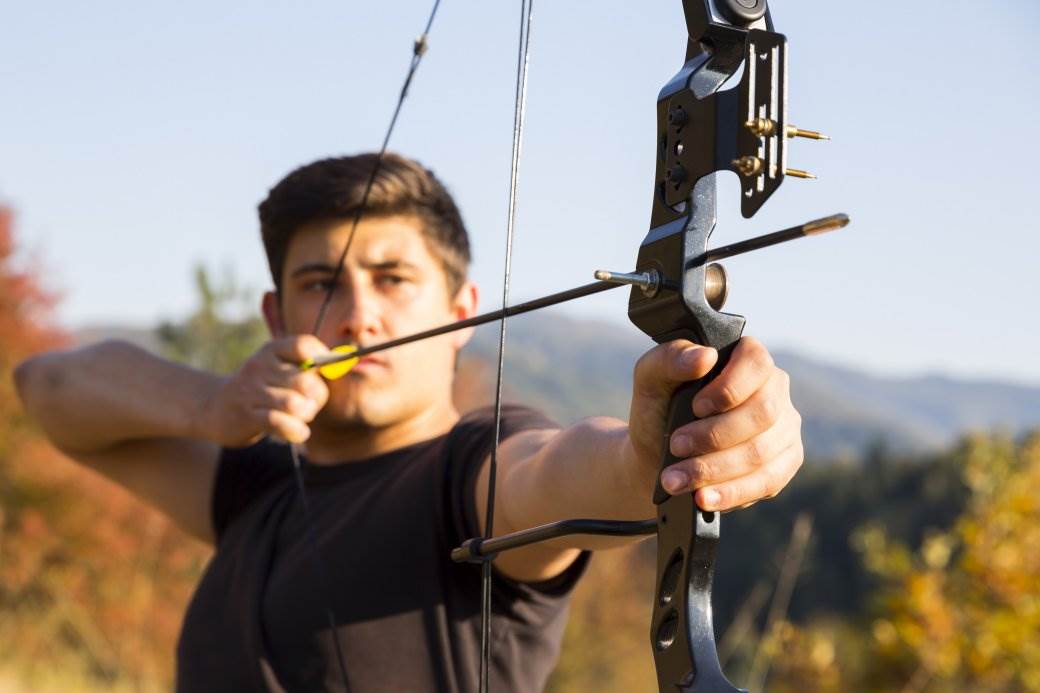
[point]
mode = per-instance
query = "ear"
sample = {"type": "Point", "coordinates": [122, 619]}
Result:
{"type": "Point", "coordinates": [464, 306]}
{"type": "Point", "coordinates": [271, 307]}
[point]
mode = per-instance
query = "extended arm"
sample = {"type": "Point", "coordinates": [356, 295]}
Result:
{"type": "Point", "coordinates": [746, 447]}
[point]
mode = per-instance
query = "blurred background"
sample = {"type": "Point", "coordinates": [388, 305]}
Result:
{"type": "Point", "coordinates": [136, 141]}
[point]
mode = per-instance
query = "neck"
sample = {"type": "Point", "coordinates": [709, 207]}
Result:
{"type": "Point", "coordinates": [332, 445]}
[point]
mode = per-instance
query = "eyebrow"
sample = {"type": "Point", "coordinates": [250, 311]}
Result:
{"type": "Point", "coordinates": [325, 268]}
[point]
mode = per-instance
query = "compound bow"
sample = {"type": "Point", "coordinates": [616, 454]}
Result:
{"type": "Point", "coordinates": [677, 292]}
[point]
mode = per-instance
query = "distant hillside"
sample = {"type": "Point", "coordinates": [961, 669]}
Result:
{"type": "Point", "coordinates": [573, 368]}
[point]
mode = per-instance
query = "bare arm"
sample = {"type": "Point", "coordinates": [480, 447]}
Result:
{"type": "Point", "coordinates": [156, 427]}
{"type": "Point", "coordinates": [546, 476]}
{"type": "Point", "coordinates": [746, 446]}
{"type": "Point", "coordinates": [133, 417]}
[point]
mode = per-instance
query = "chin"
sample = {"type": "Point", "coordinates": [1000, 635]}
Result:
{"type": "Point", "coordinates": [353, 414]}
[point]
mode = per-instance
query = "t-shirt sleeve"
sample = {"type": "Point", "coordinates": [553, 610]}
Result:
{"type": "Point", "coordinates": [471, 443]}
{"type": "Point", "coordinates": [243, 475]}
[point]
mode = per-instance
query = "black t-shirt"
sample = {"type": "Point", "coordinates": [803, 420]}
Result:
{"type": "Point", "coordinates": [375, 548]}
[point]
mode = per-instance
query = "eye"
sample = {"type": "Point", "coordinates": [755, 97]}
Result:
{"type": "Point", "coordinates": [390, 280]}
{"type": "Point", "coordinates": [318, 285]}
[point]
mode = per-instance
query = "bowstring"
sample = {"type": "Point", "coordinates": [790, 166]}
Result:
{"type": "Point", "coordinates": [320, 567]}
{"type": "Point", "coordinates": [519, 109]}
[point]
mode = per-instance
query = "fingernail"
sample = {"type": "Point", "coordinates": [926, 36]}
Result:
{"type": "Point", "coordinates": [682, 446]}
{"type": "Point", "coordinates": [689, 356]}
{"type": "Point", "coordinates": [704, 407]}
{"type": "Point", "coordinates": [675, 481]}
{"type": "Point", "coordinates": [710, 498]}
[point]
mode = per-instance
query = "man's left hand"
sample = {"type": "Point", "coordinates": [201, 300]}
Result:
{"type": "Point", "coordinates": [746, 444]}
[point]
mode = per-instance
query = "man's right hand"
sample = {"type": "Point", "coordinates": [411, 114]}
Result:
{"type": "Point", "coordinates": [269, 394]}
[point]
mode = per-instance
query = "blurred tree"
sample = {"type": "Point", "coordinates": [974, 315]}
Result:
{"type": "Point", "coordinates": [963, 611]}
{"type": "Point", "coordinates": [216, 337]}
{"type": "Point", "coordinates": [26, 324]}
{"type": "Point", "coordinates": [959, 612]}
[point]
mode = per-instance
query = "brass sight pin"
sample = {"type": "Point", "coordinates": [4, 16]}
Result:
{"type": "Point", "coordinates": [765, 127]}
{"type": "Point", "coordinates": [799, 173]}
{"type": "Point", "coordinates": [792, 131]}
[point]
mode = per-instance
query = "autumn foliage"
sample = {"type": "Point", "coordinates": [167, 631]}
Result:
{"type": "Point", "coordinates": [959, 612]}
{"type": "Point", "coordinates": [92, 583]}
{"type": "Point", "coordinates": [25, 327]}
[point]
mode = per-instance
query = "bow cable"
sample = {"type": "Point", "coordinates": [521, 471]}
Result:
{"type": "Point", "coordinates": [320, 567]}
{"type": "Point", "coordinates": [519, 109]}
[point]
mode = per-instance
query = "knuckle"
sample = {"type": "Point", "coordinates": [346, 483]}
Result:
{"type": "Point", "coordinates": [769, 485]}
{"type": "Point", "coordinates": [761, 355]}
{"type": "Point", "coordinates": [253, 366]}
{"type": "Point", "coordinates": [319, 392]}
{"type": "Point", "coordinates": [642, 363]}
{"type": "Point", "coordinates": [727, 396]}
{"type": "Point", "coordinates": [766, 412]}
{"type": "Point", "coordinates": [755, 349]}
{"type": "Point", "coordinates": [700, 471]}
{"type": "Point", "coordinates": [715, 438]}
{"type": "Point", "coordinates": [301, 382]}
{"type": "Point", "coordinates": [759, 451]}
{"type": "Point", "coordinates": [799, 459]}
{"type": "Point", "coordinates": [793, 456]}
{"type": "Point", "coordinates": [645, 366]}
{"type": "Point", "coordinates": [297, 406]}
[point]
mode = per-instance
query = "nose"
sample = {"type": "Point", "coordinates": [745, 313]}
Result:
{"type": "Point", "coordinates": [356, 313]}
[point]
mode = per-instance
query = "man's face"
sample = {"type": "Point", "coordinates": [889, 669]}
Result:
{"type": "Point", "coordinates": [391, 286]}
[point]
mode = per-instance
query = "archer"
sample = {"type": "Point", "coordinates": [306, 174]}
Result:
{"type": "Point", "coordinates": [355, 586]}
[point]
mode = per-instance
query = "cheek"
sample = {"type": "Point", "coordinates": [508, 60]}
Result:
{"type": "Point", "coordinates": [300, 311]}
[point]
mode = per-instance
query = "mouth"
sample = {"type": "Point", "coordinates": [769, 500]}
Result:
{"type": "Point", "coordinates": [370, 363]}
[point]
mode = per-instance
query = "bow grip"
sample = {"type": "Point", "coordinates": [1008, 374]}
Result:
{"type": "Point", "coordinates": [682, 630]}
{"type": "Point", "coordinates": [680, 413]}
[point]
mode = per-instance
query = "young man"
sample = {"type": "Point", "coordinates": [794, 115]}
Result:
{"type": "Point", "coordinates": [395, 478]}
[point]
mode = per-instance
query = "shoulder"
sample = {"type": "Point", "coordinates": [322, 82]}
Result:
{"type": "Point", "coordinates": [472, 439]}
{"type": "Point", "coordinates": [515, 418]}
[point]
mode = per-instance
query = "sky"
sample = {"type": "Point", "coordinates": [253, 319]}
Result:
{"type": "Point", "coordinates": [136, 140]}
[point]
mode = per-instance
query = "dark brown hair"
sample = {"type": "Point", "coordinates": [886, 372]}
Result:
{"type": "Point", "coordinates": [334, 189]}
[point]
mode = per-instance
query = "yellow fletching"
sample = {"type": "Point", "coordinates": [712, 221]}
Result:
{"type": "Point", "coordinates": [334, 371]}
